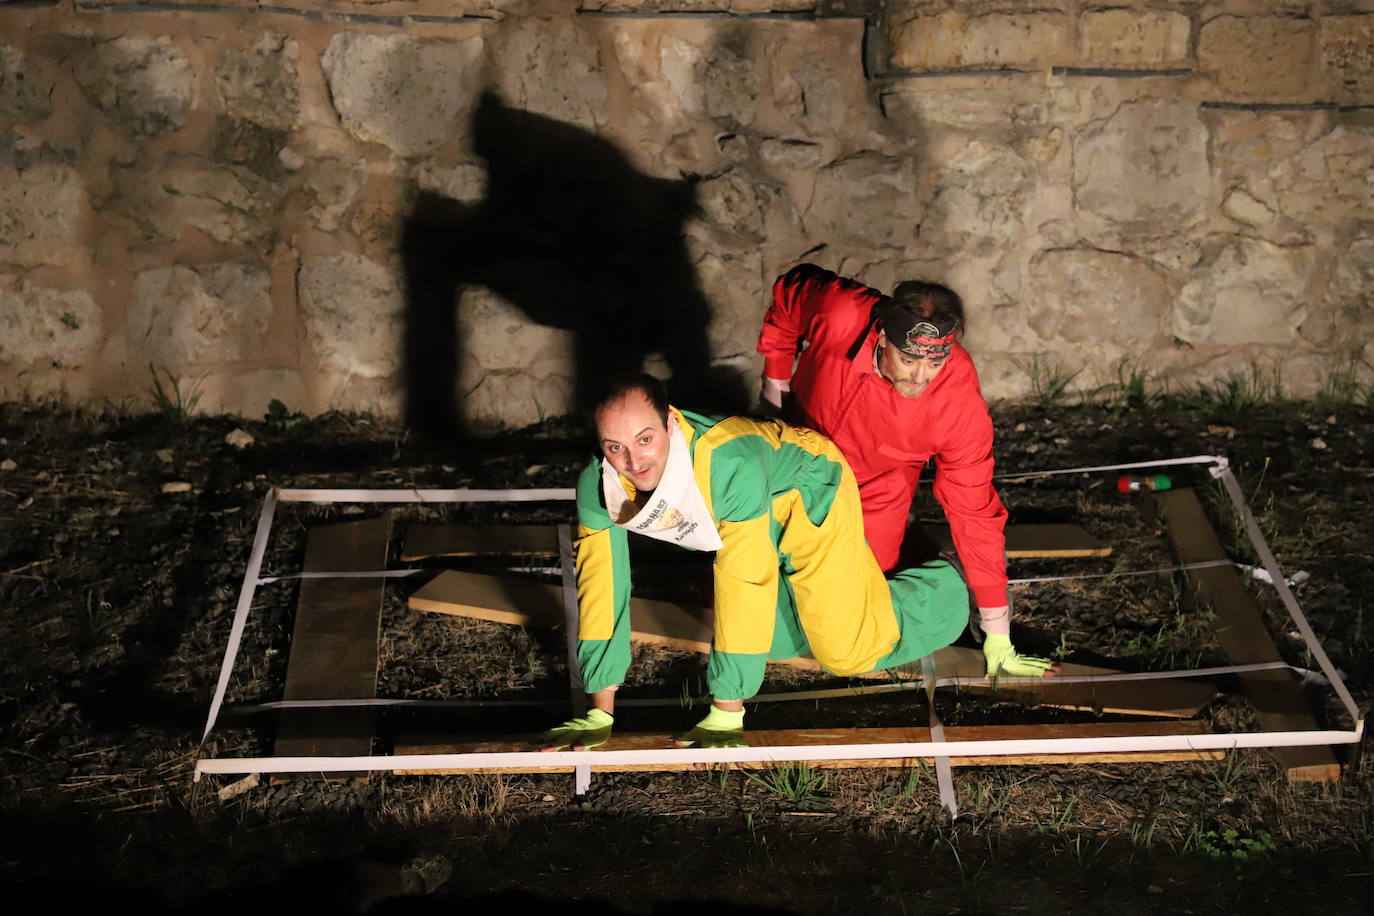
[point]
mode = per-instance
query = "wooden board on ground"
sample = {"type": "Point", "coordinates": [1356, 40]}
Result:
{"type": "Point", "coordinates": [423, 541]}
{"type": "Point", "coordinates": [527, 603]}
{"type": "Point", "coordinates": [334, 643]}
{"type": "Point", "coordinates": [822, 737]}
{"type": "Point", "coordinates": [1029, 541]}
{"type": "Point", "coordinates": [1276, 695]}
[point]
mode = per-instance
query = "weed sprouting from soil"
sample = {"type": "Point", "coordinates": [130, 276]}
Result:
{"type": "Point", "coordinates": [1050, 381]}
{"type": "Point", "coordinates": [798, 783]}
{"type": "Point", "coordinates": [172, 400]}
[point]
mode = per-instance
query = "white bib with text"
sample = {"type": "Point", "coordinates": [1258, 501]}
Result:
{"type": "Point", "coordinates": [675, 512]}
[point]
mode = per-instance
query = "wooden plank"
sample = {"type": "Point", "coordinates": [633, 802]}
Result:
{"type": "Point", "coordinates": [527, 603]}
{"type": "Point", "coordinates": [832, 736]}
{"type": "Point", "coordinates": [1276, 695]}
{"type": "Point", "coordinates": [334, 643]}
{"type": "Point", "coordinates": [423, 541]}
{"type": "Point", "coordinates": [1030, 541]}
{"type": "Point", "coordinates": [536, 604]}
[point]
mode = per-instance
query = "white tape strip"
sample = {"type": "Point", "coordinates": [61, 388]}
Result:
{"type": "Point", "coordinates": [1132, 572]}
{"type": "Point", "coordinates": [790, 696]}
{"type": "Point", "coordinates": [944, 777]}
{"type": "Point", "coordinates": [827, 693]}
{"type": "Point", "coordinates": [551, 494]}
{"type": "Point", "coordinates": [345, 574]}
{"type": "Point", "coordinates": [1280, 584]}
{"type": "Point", "coordinates": [915, 749]}
{"type": "Point", "coordinates": [250, 578]}
{"type": "Point", "coordinates": [1161, 463]}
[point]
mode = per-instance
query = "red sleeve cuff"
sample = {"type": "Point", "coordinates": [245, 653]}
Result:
{"type": "Point", "coordinates": [779, 367]}
{"type": "Point", "coordinates": [989, 594]}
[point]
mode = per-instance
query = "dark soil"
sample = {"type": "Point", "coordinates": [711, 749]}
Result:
{"type": "Point", "coordinates": [118, 598]}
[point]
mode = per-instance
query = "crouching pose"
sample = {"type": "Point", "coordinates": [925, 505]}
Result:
{"type": "Point", "coordinates": [779, 506]}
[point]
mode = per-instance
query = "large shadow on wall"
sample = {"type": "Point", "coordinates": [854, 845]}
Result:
{"type": "Point", "coordinates": [577, 239]}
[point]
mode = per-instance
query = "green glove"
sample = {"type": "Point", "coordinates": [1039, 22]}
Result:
{"type": "Point", "coordinates": [1003, 660]}
{"type": "Point", "coordinates": [720, 728]}
{"type": "Point", "coordinates": [589, 731]}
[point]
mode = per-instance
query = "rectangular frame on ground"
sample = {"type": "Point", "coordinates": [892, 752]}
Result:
{"type": "Point", "coordinates": [581, 762]}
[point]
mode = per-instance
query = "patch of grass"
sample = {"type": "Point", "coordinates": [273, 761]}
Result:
{"type": "Point", "coordinates": [172, 401]}
{"type": "Point", "coordinates": [1132, 390]}
{"type": "Point", "coordinates": [1085, 853]}
{"type": "Point", "coordinates": [1236, 392]}
{"type": "Point", "coordinates": [1051, 383]}
{"type": "Point", "coordinates": [1143, 835]}
{"type": "Point", "coordinates": [795, 782]}
{"type": "Point", "coordinates": [1058, 819]}
{"type": "Point", "coordinates": [1228, 772]}
{"type": "Point", "coordinates": [1342, 387]}
{"type": "Point", "coordinates": [917, 776]}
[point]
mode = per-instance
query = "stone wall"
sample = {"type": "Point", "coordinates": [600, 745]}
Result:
{"type": "Point", "coordinates": [219, 189]}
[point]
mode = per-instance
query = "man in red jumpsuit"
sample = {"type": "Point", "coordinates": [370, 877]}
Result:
{"type": "Point", "coordinates": [886, 379]}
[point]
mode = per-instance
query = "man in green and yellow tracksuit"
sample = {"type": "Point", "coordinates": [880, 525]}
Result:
{"type": "Point", "coordinates": [780, 508]}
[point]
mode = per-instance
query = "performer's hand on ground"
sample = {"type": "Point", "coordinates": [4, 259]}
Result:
{"type": "Point", "coordinates": [1004, 661]}
{"type": "Point", "coordinates": [582, 733]}
{"type": "Point", "coordinates": [720, 728]}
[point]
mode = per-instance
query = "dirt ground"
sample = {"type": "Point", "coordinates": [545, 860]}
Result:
{"type": "Point", "coordinates": [118, 591]}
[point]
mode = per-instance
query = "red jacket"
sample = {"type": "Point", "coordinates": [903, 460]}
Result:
{"type": "Point", "coordinates": [887, 437]}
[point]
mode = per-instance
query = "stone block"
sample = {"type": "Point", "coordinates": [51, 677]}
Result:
{"type": "Point", "coordinates": [954, 41]}
{"type": "Point", "coordinates": [992, 112]}
{"type": "Point", "coordinates": [498, 336]}
{"type": "Point", "coordinates": [1327, 183]}
{"type": "Point", "coordinates": [227, 202]}
{"type": "Point", "coordinates": [247, 393]}
{"type": "Point", "coordinates": [40, 211]}
{"type": "Point", "coordinates": [550, 67]}
{"type": "Point", "coordinates": [142, 83]}
{"type": "Point", "coordinates": [1346, 314]}
{"type": "Point", "coordinates": [353, 309]}
{"type": "Point", "coordinates": [511, 398]}
{"type": "Point", "coordinates": [212, 314]}
{"type": "Point", "coordinates": [1088, 297]}
{"type": "Point", "coordinates": [813, 79]}
{"type": "Point", "coordinates": [1244, 291]}
{"type": "Point", "coordinates": [1260, 56]}
{"type": "Point", "coordinates": [409, 94]}
{"type": "Point", "coordinates": [1144, 170]}
{"type": "Point", "coordinates": [738, 293]}
{"type": "Point", "coordinates": [1132, 38]}
{"type": "Point", "coordinates": [1347, 53]}
{"type": "Point", "coordinates": [330, 185]}
{"type": "Point", "coordinates": [261, 83]}
{"type": "Point", "coordinates": [44, 329]}
{"type": "Point", "coordinates": [868, 199]}
{"type": "Point", "coordinates": [978, 204]}
{"type": "Point", "coordinates": [25, 90]}
{"type": "Point", "coordinates": [1244, 208]}
{"type": "Point", "coordinates": [736, 205]}
{"type": "Point", "coordinates": [697, 6]}
{"type": "Point", "coordinates": [716, 82]}
{"type": "Point", "coordinates": [790, 154]}
{"type": "Point", "coordinates": [466, 181]}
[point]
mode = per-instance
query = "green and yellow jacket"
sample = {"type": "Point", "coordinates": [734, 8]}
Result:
{"type": "Point", "coordinates": [793, 574]}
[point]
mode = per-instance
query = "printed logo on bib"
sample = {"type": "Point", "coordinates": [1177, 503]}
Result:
{"type": "Point", "coordinates": [675, 511]}
{"type": "Point", "coordinates": [663, 517]}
